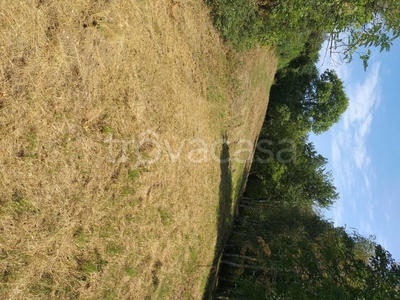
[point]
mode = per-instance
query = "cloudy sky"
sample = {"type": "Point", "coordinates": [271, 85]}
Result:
{"type": "Point", "coordinates": [363, 149]}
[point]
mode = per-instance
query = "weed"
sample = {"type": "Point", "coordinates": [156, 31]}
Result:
{"type": "Point", "coordinates": [108, 129]}
{"type": "Point", "coordinates": [32, 138]}
{"type": "Point", "coordinates": [19, 204]}
{"type": "Point", "coordinates": [222, 115]}
{"type": "Point", "coordinates": [108, 228]}
{"type": "Point", "coordinates": [114, 248]}
{"type": "Point", "coordinates": [128, 191]}
{"type": "Point", "coordinates": [244, 24]}
{"type": "Point", "coordinates": [238, 23]}
{"type": "Point", "coordinates": [164, 291]}
{"type": "Point", "coordinates": [214, 94]}
{"type": "Point", "coordinates": [43, 286]}
{"type": "Point", "coordinates": [91, 263]}
{"type": "Point", "coordinates": [81, 237]}
{"type": "Point", "coordinates": [110, 295]}
{"type": "Point", "coordinates": [192, 262]}
{"type": "Point", "coordinates": [9, 274]}
{"type": "Point", "coordinates": [131, 271]}
{"type": "Point", "coordinates": [165, 217]}
{"type": "Point", "coordinates": [193, 254]}
{"type": "Point", "coordinates": [132, 174]}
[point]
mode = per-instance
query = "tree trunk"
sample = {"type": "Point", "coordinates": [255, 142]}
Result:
{"type": "Point", "coordinates": [240, 256]}
{"type": "Point", "coordinates": [232, 264]}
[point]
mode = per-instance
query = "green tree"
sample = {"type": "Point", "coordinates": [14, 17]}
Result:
{"type": "Point", "coordinates": [310, 175]}
{"type": "Point", "coordinates": [315, 102]}
{"type": "Point", "coordinates": [290, 252]}
{"type": "Point", "coordinates": [324, 101]}
{"type": "Point", "coordinates": [349, 24]}
{"type": "Point", "coordinates": [288, 24]}
{"type": "Point", "coordinates": [383, 277]}
{"type": "Point", "coordinates": [366, 23]}
{"type": "Point", "coordinates": [365, 246]}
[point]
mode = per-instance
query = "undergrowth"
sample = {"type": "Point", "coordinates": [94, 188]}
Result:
{"type": "Point", "coordinates": [243, 24]}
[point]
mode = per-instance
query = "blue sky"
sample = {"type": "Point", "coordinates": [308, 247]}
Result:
{"type": "Point", "coordinates": [363, 148]}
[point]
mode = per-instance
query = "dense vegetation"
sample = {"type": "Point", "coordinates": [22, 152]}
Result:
{"type": "Point", "coordinates": [348, 24]}
{"type": "Point", "coordinates": [280, 246]}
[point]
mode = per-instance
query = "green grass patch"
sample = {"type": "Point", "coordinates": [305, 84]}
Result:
{"type": "Point", "coordinates": [81, 237]}
{"type": "Point", "coordinates": [108, 129]}
{"type": "Point", "coordinates": [131, 271]}
{"type": "Point", "coordinates": [165, 217]}
{"type": "Point", "coordinates": [114, 248]}
{"type": "Point", "coordinates": [92, 263]}
{"type": "Point", "coordinates": [43, 286]}
{"type": "Point", "coordinates": [132, 174]}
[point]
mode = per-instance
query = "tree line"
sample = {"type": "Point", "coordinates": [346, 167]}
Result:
{"type": "Point", "coordinates": [280, 246]}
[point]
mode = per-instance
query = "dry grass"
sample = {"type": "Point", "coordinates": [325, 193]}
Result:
{"type": "Point", "coordinates": [73, 224]}
{"type": "Point", "coordinates": [255, 75]}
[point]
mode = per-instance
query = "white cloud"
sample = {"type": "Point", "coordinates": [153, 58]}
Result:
{"type": "Point", "coordinates": [371, 214]}
{"type": "Point", "coordinates": [367, 182]}
{"type": "Point", "coordinates": [336, 154]}
{"type": "Point", "coordinates": [357, 120]}
{"type": "Point", "coordinates": [350, 158]}
{"type": "Point", "coordinates": [359, 153]}
{"type": "Point", "coordinates": [387, 217]}
{"type": "Point", "coordinates": [388, 211]}
{"type": "Point", "coordinates": [338, 212]}
{"type": "Point", "coordinates": [363, 98]}
{"type": "Point", "coordinates": [366, 228]}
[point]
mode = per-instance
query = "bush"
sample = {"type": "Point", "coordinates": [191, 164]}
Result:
{"type": "Point", "coordinates": [244, 23]}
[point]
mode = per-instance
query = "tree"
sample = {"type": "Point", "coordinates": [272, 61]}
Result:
{"type": "Point", "coordinates": [315, 102]}
{"type": "Point", "coordinates": [349, 24]}
{"type": "Point", "coordinates": [288, 24]}
{"type": "Point", "coordinates": [365, 247]}
{"type": "Point", "coordinates": [317, 183]}
{"type": "Point", "coordinates": [383, 281]}
{"type": "Point", "coordinates": [363, 23]}
{"type": "Point", "coordinates": [295, 254]}
{"type": "Point", "coordinates": [324, 102]}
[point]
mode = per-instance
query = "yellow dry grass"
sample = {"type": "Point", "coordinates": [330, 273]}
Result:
{"type": "Point", "coordinates": [79, 222]}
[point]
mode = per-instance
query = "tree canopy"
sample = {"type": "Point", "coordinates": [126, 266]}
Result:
{"type": "Point", "coordinates": [347, 24]}
{"type": "Point", "coordinates": [325, 101]}
{"type": "Point", "coordinates": [295, 254]}
{"type": "Point", "coordinates": [315, 101]}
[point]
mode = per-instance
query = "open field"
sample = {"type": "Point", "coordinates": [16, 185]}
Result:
{"type": "Point", "coordinates": [84, 86]}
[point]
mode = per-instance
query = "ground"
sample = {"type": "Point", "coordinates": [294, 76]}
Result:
{"type": "Point", "coordinates": [107, 108]}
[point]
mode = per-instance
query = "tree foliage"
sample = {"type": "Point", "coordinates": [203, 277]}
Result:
{"type": "Point", "coordinates": [316, 101]}
{"type": "Point", "coordinates": [325, 101]}
{"type": "Point", "coordinates": [348, 24]}
{"type": "Point", "coordinates": [292, 253]}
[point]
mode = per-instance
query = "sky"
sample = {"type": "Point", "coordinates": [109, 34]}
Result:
{"type": "Point", "coordinates": [363, 148]}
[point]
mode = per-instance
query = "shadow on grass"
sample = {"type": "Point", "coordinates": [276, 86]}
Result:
{"type": "Point", "coordinates": [224, 217]}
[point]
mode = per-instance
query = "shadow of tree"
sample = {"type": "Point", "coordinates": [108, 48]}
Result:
{"type": "Point", "coordinates": [225, 188]}
{"type": "Point", "coordinates": [224, 214]}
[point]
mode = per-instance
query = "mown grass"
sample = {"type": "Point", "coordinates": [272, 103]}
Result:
{"type": "Point", "coordinates": [253, 76]}
{"type": "Point", "coordinates": [81, 220]}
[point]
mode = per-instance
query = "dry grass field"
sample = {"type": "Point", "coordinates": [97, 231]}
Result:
{"type": "Point", "coordinates": [84, 88]}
